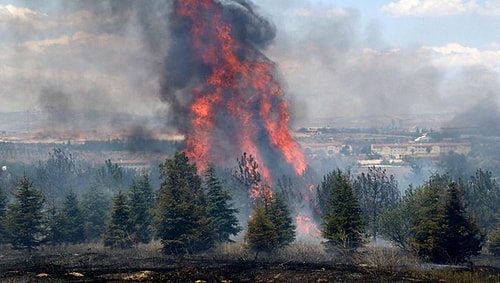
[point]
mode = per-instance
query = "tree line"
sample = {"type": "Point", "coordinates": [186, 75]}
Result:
{"type": "Point", "coordinates": [443, 220]}
{"type": "Point", "coordinates": [433, 221]}
{"type": "Point", "coordinates": [189, 213]}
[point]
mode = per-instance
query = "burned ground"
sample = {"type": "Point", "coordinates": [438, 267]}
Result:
{"type": "Point", "coordinates": [66, 265]}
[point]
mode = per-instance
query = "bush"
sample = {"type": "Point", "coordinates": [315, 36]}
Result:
{"type": "Point", "coordinates": [494, 242]}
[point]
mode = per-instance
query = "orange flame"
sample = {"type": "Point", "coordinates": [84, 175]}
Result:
{"type": "Point", "coordinates": [306, 226]}
{"type": "Point", "coordinates": [240, 91]}
{"type": "Point", "coordinates": [261, 193]}
{"type": "Point", "coordinates": [311, 188]}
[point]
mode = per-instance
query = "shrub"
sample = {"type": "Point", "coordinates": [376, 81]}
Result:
{"type": "Point", "coordinates": [494, 242]}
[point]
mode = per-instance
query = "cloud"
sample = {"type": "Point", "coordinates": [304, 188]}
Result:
{"type": "Point", "coordinates": [429, 7]}
{"type": "Point", "coordinates": [338, 68]}
{"type": "Point", "coordinates": [329, 13]}
{"type": "Point", "coordinates": [19, 13]}
{"type": "Point", "coordinates": [454, 55]}
{"type": "Point", "coordinates": [40, 45]}
{"type": "Point", "coordinates": [19, 17]}
{"type": "Point", "coordinates": [491, 8]}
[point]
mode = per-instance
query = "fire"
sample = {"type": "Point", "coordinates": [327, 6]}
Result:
{"type": "Point", "coordinates": [237, 105]}
{"type": "Point", "coordinates": [262, 193]}
{"type": "Point", "coordinates": [306, 226]}
{"type": "Point", "coordinates": [311, 188]}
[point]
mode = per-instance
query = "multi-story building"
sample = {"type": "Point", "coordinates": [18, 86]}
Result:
{"type": "Point", "coordinates": [399, 150]}
{"type": "Point", "coordinates": [327, 149]}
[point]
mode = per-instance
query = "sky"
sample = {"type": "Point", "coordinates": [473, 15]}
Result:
{"type": "Point", "coordinates": [343, 58]}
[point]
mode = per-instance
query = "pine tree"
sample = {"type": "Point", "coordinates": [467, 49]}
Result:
{"type": "Point", "coordinates": [462, 238]}
{"type": "Point", "coordinates": [280, 216]}
{"type": "Point", "coordinates": [180, 211]}
{"type": "Point", "coordinates": [343, 226]}
{"type": "Point", "coordinates": [482, 195]}
{"type": "Point", "coordinates": [95, 206]}
{"type": "Point", "coordinates": [426, 233]}
{"type": "Point", "coordinates": [141, 201]}
{"type": "Point", "coordinates": [110, 176]}
{"type": "Point", "coordinates": [118, 233]}
{"type": "Point", "coordinates": [222, 216]}
{"type": "Point", "coordinates": [270, 226]}
{"type": "Point", "coordinates": [69, 224]}
{"type": "Point", "coordinates": [494, 240]}
{"type": "Point", "coordinates": [442, 230]}
{"type": "Point", "coordinates": [3, 207]}
{"type": "Point", "coordinates": [24, 217]}
{"type": "Point", "coordinates": [261, 235]}
{"type": "Point", "coordinates": [53, 227]}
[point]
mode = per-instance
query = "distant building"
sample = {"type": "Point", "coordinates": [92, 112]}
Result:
{"type": "Point", "coordinates": [400, 150]}
{"type": "Point", "coordinates": [328, 149]}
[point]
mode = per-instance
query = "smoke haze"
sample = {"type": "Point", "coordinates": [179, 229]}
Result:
{"type": "Point", "coordinates": [115, 56]}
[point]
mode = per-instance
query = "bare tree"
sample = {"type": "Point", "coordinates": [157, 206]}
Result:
{"type": "Point", "coordinates": [377, 192]}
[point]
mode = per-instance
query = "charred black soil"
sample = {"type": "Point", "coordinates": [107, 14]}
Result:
{"type": "Point", "coordinates": [17, 266]}
{"type": "Point", "coordinates": [103, 269]}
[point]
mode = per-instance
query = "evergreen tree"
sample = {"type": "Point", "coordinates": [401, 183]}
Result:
{"type": "Point", "coordinates": [69, 222]}
{"type": "Point", "coordinates": [180, 211]}
{"type": "Point", "coordinates": [342, 217]}
{"type": "Point", "coordinates": [426, 233]}
{"type": "Point", "coordinates": [141, 201]}
{"type": "Point", "coordinates": [3, 207]}
{"type": "Point", "coordinates": [222, 216]}
{"type": "Point", "coordinates": [261, 235]}
{"type": "Point", "coordinates": [462, 238]}
{"type": "Point", "coordinates": [110, 176]}
{"type": "Point", "coordinates": [270, 226]}
{"type": "Point", "coordinates": [482, 195]}
{"type": "Point", "coordinates": [280, 216]}
{"type": "Point", "coordinates": [53, 227]}
{"type": "Point", "coordinates": [24, 221]}
{"type": "Point", "coordinates": [442, 230]}
{"type": "Point", "coordinates": [494, 241]}
{"type": "Point", "coordinates": [118, 233]}
{"type": "Point", "coordinates": [95, 206]}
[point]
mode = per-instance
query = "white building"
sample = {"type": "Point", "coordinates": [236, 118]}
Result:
{"type": "Point", "coordinates": [400, 150]}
